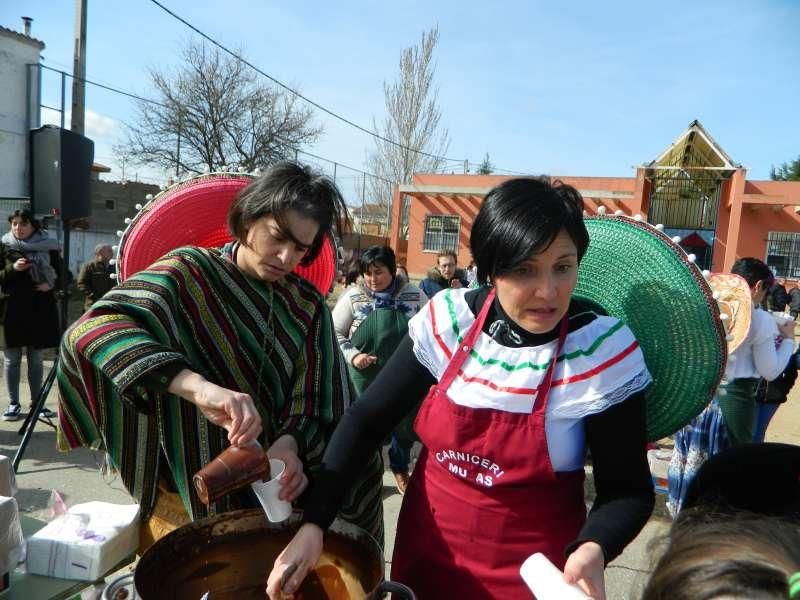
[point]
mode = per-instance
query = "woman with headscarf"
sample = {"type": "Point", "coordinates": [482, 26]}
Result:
{"type": "Point", "coordinates": [28, 279]}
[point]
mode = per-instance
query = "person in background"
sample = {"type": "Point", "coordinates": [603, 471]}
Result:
{"type": "Point", "coordinates": [352, 275]}
{"type": "Point", "coordinates": [730, 417]}
{"type": "Point", "coordinates": [29, 279]}
{"type": "Point", "coordinates": [403, 272]}
{"type": "Point", "coordinates": [483, 363]}
{"type": "Point", "coordinates": [777, 298]}
{"type": "Point", "coordinates": [444, 275]}
{"type": "Point", "coordinates": [370, 319]}
{"type": "Point", "coordinates": [472, 275]}
{"type": "Point", "coordinates": [210, 348]}
{"type": "Point", "coordinates": [95, 280]}
{"type": "Point", "coordinates": [771, 394]}
{"type": "Point", "coordinates": [794, 302]}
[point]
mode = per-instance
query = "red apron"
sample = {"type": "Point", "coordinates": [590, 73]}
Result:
{"type": "Point", "coordinates": [483, 496]}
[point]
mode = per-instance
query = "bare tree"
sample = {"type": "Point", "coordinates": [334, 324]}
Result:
{"type": "Point", "coordinates": [412, 123]}
{"type": "Point", "coordinates": [212, 112]}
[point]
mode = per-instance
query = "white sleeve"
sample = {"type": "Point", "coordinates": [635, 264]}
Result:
{"type": "Point", "coordinates": [769, 360]}
{"type": "Point", "coordinates": [343, 317]}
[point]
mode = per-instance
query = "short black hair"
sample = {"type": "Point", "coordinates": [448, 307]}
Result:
{"type": "Point", "coordinates": [377, 254]}
{"type": "Point", "coordinates": [753, 270]}
{"type": "Point", "coordinates": [290, 186]}
{"type": "Point", "coordinates": [25, 216]}
{"type": "Point", "coordinates": [523, 216]}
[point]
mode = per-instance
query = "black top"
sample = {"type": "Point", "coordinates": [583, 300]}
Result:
{"type": "Point", "coordinates": [616, 437]}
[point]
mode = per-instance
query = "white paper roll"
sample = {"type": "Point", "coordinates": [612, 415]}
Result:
{"type": "Point", "coordinates": [546, 581]}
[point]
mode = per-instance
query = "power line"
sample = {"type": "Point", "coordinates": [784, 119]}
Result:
{"type": "Point", "coordinates": [105, 87]}
{"type": "Point", "coordinates": [155, 102]}
{"type": "Point", "coordinates": [295, 92]}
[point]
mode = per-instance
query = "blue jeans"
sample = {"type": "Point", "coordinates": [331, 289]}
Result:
{"type": "Point", "coordinates": [764, 414]}
{"type": "Point", "coordinates": [13, 360]}
{"type": "Point", "coordinates": [399, 455]}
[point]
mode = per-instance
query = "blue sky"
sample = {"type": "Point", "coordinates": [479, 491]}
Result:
{"type": "Point", "coordinates": [569, 88]}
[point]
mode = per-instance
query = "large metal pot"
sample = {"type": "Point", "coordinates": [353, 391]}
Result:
{"type": "Point", "coordinates": [230, 555]}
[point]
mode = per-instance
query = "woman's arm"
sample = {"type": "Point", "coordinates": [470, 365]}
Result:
{"type": "Point", "coordinates": [624, 498]}
{"type": "Point", "coordinates": [396, 391]}
{"type": "Point", "coordinates": [769, 360]}
{"type": "Point", "coordinates": [342, 322]}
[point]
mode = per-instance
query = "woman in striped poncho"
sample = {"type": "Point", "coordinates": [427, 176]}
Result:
{"type": "Point", "coordinates": [211, 347]}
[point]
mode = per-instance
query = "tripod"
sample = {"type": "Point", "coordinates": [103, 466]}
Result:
{"type": "Point", "coordinates": [33, 416]}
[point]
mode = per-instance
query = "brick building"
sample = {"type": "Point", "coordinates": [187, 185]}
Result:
{"type": "Point", "coordinates": [693, 188]}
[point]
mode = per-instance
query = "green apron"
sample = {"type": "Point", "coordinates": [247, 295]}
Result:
{"type": "Point", "coordinates": [380, 335]}
{"type": "Point", "coordinates": [738, 407]}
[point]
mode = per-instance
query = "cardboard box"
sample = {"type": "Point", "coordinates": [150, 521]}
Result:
{"type": "Point", "coordinates": [85, 542]}
{"type": "Point", "coordinates": [12, 542]}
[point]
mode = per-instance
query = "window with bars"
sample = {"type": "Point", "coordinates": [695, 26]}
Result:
{"type": "Point", "coordinates": [441, 233]}
{"type": "Point", "coordinates": [783, 253]}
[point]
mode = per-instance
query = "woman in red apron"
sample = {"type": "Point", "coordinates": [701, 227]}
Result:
{"type": "Point", "coordinates": [520, 380]}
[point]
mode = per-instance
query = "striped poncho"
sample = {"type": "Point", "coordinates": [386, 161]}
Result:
{"type": "Point", "coordinates": [196, 308]}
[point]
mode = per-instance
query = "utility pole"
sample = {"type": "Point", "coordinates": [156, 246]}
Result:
{"type": "Point", "coordinates": [79, 68]}
{"type": "Point", "coordinates": [77, 125]}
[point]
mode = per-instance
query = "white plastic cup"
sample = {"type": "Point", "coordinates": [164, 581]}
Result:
{"type": "Point", "coordinates": [267, 492]}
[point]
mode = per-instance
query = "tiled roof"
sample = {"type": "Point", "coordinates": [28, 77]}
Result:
{"type": "Point", "coordinates": [21, 37]}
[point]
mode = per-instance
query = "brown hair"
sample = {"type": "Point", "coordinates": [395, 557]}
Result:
{"type": "Point", "coordinates": [710, 557]}
{"type": "Point", "coordinates": [443, 253]}
{"type": "Point", "coordinates": [290, 186]}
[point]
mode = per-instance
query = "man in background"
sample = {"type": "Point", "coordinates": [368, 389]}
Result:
{"type": "Point", "coordinates": [95, 276]}
{"type": "Point", "coordinates": [445, 274]}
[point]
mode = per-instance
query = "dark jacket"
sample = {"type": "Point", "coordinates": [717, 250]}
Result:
{"type": "Point", "coordinates": [31, 317]}
{"type": "Point", "coordinates": [777, 390]}
{"type": "Point", "coordinates": [94, 281]}
{"type": "Point", "coordinates": [435, 283]}
{"type": "Point", "coordinates": [794, 300]}
{"type": "Point", "coordinates": [777, 297]}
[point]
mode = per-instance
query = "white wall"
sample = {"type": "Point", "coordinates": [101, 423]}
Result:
{"type": "Point", "coordinates": [15, 53]}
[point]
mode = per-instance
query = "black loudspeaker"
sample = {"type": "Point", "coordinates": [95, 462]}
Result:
{"type": "Point", "coordinates": [61, 165]}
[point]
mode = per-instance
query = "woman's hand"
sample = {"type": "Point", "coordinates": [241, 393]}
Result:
{"type": "Point", "coordinates": [586, 568]}
{"type": "Point", "coordinates": [293, 481]}
{"type": "Point", "coordinates": [43, 287]}
{"type": "Point", "coordinates": [232, 410]}
{"type": "Point", "coordinates": [302, 554]}
{"type": "Point", "coordinates": [22, 264]}
{"type": "Point", "coordinates": [787, 329]}
{"type": "Point", "coordinates": [362, 361]}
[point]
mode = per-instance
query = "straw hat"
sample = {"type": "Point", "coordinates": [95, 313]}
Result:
{"type": "Point", "coordinates": [735, 305]}
{"type": "Point", "coordinates": [641, 276]}
{"type": "Point", "coordinates": [194, 213]}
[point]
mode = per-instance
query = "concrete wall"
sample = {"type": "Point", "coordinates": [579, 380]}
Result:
{"type": "Point", "coordinates": [16, 51]}
{"type": "Point", "coordinates": [122, 196]}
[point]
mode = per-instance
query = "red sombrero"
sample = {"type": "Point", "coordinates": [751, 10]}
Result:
{"type": "Point", "coordinates": [194, 213]}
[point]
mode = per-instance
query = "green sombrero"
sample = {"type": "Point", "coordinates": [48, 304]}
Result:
{"type": "Point", "coordinates": [639, 275]}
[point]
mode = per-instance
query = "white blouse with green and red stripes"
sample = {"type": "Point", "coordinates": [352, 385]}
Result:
{"type": "Point", "coordinates": [600, 365]}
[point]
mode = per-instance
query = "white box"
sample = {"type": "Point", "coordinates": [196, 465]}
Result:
{"type": "Point", "coordinates": [85, 542]}
{"type": "Point", "coordinates": [8, 484]}
{"type": "Point", "coordinates": [12, 543]}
